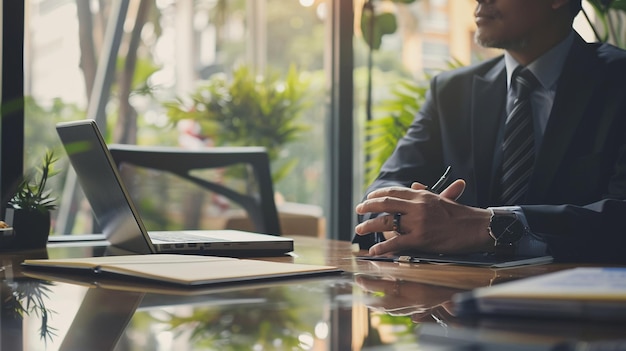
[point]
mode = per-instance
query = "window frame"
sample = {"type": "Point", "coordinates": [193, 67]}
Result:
{"type": "Point", "coordinates": [12, 99]}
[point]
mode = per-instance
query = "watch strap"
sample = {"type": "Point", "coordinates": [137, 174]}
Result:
{"type": "Point", "coordinates": [506, 229]}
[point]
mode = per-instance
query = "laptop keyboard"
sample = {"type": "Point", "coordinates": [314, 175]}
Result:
{"type": "Point", "coordinates": [177, 237]}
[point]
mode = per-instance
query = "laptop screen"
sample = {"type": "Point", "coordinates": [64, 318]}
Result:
{"type": "Point", "coordinates": [102, 185]}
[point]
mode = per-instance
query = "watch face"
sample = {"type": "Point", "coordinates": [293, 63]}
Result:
{"type": "Point", "coordinates": [507, 229]}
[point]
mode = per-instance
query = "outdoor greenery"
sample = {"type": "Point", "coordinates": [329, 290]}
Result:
{"type": "Point", "coordinates": [377, 21]}
{"type": "Point", "coordinates": [396, 113]}
{"type": "Point", "coordinates": [610, 27]}
{"type": "Point", "coordinates": [383, 133]}
{"type": "Point", "coordinates": [134, 110]}
{"type": "Point", "coordinates": [248, 110]}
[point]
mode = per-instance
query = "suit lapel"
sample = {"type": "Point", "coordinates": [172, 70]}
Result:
{"type": "Point", "coordinates": [574, 90]}
{"type": "Point", "coordinates": [489, 96]}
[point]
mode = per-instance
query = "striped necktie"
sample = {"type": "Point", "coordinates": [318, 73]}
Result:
{"type": "Point", "coordinates": [518, 147]}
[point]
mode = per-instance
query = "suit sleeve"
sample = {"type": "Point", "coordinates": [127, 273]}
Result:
{"type": "Point", "coordinates": [592, 233]}
{"type": "Point", "coordinates": [589, 233]}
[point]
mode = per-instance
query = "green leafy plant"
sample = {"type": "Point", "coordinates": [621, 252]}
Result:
{"type": "Point", "coordinates": [609, 26]}
{"type": "Point", "coordinates": [396, 113]}
{"type": "Point", "coordinates": [248, 110]}
{"type": "Point", "coordinates": [383, 133]}
{"type": "Point", "coordinates": [31, 194]}
{"type": "Point", "coordinates": [378, 19]}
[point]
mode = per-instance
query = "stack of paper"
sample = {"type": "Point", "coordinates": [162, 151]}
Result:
{"type": "Point", "coordinates": [586, 293]}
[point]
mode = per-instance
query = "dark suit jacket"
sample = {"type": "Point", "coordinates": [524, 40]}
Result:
{"type": "Point", "coordinates": [576, 201]}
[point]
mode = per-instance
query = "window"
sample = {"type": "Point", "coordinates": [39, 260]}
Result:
{"type": "Point", "coordinates": [167, 49]}
{"type": "Point", "coordinates": [182, 43]}
{"type": "Point", "coordinates": [430, 35]}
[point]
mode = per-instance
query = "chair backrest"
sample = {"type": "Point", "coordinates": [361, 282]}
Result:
{"type": "Point", "coordinates": [261, 208]}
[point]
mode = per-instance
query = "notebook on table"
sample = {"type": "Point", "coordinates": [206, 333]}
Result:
{"type": "Point", "coordinates": [589, 293]}
{"type": "Point", "coordinates": [119, 219]}
{"type": "Point", "coordinates": [168, 270]}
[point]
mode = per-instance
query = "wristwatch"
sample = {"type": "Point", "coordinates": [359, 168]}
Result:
{"type": "Point", "coordinates": [506, 229]}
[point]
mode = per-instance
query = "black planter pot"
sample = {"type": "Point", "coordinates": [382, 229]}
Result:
{"type": "Point", "coordinates": [30, 229]}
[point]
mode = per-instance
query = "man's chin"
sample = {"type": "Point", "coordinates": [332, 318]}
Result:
{"type": "Point", "coordinates": [487, 41]}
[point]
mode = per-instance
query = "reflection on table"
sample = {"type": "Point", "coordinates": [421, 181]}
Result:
{"type": "Point", "coordinates": [373, 306]}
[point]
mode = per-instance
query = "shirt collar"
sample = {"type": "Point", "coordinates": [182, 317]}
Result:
{"type": "Point", "coordinates": [547, 68]}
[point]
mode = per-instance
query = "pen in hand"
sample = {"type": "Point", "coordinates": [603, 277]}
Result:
{"type": "Point", "coordinates": [438, 187]}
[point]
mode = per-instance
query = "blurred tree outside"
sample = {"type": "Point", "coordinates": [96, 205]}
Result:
{"type": "Point", "coordinates": [134, 114]}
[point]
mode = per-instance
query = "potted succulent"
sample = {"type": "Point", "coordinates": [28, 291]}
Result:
{"type": "Point", "coordinates": [28, 211]}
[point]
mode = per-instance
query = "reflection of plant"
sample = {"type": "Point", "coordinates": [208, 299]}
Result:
{"type": "Point", "coordinates": [28, 298]}
{"type": "Point", "coordinates": [223, 330]}
{"type": "Point", "coordinates": [279, 316]}
{"type": "Point", "coordinates": [248, 110]}
{"type": "Point", "coordinates": [31, 194]}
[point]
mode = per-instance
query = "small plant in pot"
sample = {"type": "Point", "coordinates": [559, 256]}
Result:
{"type": "Point", "coordinates": [28, 211]}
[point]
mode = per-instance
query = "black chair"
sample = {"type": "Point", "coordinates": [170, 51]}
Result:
{"type": "Point", "coordinates": [260, 207]}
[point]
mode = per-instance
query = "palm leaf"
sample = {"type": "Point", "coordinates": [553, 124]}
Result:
{"type": "Point", "coordinates": [383, 133]}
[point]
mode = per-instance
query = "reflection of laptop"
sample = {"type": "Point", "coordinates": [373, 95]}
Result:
{"type": "Point", "coordinates": [101, 320]}
{"type": "Point", "coordinates": [119, 219]}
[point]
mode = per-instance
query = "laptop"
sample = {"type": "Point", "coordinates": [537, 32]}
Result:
{"type": "Point", "coordinates": [120, 221]}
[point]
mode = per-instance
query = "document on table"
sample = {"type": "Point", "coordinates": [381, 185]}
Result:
{"type": "Point", "coordinates": [584, 292]}
{"type": "Point", "coordinates": [479, 259]}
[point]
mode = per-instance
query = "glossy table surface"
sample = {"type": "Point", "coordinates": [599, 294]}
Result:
{"type": "Point", "coordinates": [372, 306]}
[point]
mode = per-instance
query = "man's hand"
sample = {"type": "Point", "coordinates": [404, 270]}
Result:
{"type": "Point", "coordinates": [430, 222]}
{"type": "Point", "coordinates": [403, 297]}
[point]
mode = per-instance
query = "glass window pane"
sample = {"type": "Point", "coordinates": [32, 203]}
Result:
{"type": "Point", "coordinates": [171, 54]}
{"type": "Point", "coordinates": [430, 36]}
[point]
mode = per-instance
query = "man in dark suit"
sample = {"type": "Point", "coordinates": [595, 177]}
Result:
{"type": "Point", "coordinates": [573, 204]}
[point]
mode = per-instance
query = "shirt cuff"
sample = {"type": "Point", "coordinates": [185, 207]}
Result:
{"type": "Point", "coordinates": [529, 244]}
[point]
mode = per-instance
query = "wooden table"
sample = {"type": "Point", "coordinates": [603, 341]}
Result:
{"type": "Point", "coordinates": [373, 306]}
